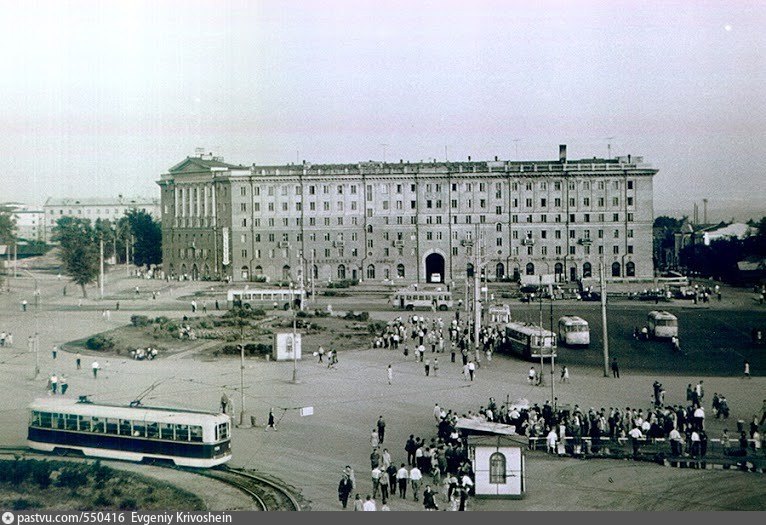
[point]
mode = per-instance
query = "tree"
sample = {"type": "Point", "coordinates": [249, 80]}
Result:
{"type": "Point", "coordinates": [147, 238]}
{"type": "Point", "coordinates": [79, 250]}
{"type": "Point", "coordinates": [7, 230]}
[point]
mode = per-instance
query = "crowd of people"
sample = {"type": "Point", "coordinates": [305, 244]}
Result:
{"type": "Point", "coordinates": [6, 339]}
{"type": "Point", "coordinates": [140, 354]}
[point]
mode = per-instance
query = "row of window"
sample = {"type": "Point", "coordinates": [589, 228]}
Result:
{"type": "Point", "coordinates": [386, 188]}
{"type": "Point", "coordinates": [429, 204]}
{"type": "Point", "coordinates": [430, 219]}
{"type": "Point", "coordinates": [121, 427]}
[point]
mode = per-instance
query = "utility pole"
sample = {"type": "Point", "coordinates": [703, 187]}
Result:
{"type": "Point", "coordinates": [542, 338]}
{"type": "Point", "coordinates": [295, 346]}
{"type": "Point", "coordinates": [101, 265]}
{"type": "Point", "coordinates": [36, 339]}
{"type": "Point", "coordinates": [15, 260]}
{"type": "Point", "coordinates": [241, 380]}
{"type": "Point", "coordinates": [313, 290]}
{"type": "Point", "coordinates": [476, 293]}
{"type": "Point", "coordinates": [127, 255]}
{"type": "Point", "coordinates": [553, 357]}
{"type": "Point", "coordinates": [602, 278]}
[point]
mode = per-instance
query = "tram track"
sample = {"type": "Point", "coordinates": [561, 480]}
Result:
{"type": "Point", "coordinates": [268, 495]}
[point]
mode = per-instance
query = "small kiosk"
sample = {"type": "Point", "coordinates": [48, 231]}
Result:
{"type": "Point", "coordinates": [498, 464]}
{"type": "Point", "coordinates": [285, 347]}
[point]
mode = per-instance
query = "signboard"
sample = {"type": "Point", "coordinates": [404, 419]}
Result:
{"type": "Point", "coordinates": [285, 347]}
{"type": "Point", "coordinates": [225, 234]}
{"type": "Point", "coordinates": [307, 411]}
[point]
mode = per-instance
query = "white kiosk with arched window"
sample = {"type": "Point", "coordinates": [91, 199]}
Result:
{"type": "Point", "coordinates": [498, 465]}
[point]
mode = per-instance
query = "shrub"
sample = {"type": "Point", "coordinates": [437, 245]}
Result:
{"type": "Point", "coordinates": [253, 349]}
{"type": "Point", "coordinates": [102, 501]}
{"type": "Point", "coordinates": [353, 316]}
{"type": "Point", "coordinates": [24, 504]}
{"type": "Point", "coordinates": [100, 342]}
{"type": "Point", "coordinates": [73, 477]}
{"type": "Point", "coordinates": [260, 279]}
{"type": "Point", "coordinates": [139, 320]}
{"type": "Point", "coordinates": [376, 327]}
{"type": "Point", "coordinates": [161, 319]}
{"type": "Point", "coordinates": [128, 504]}
{"type": "Point", "coordinates": [302, 313]}
{"type": "Point", "coordinates": [41, 474]}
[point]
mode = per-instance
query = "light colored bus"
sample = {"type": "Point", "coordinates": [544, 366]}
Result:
{"type": "Point", "coordinates": [662, 324]}
{"type": "Point", "coordinates": [574, 331]}
{"type": "Point", "coordinates": [529, 341]}
{"type": "Point", "coordinates": [499, 314]}
{"type": "Point", "coordinates": [266, 298]}
{"type": "Point", "coordinates": [410, 299]}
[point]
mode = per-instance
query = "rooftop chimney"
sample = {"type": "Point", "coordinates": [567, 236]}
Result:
{"type": "Point", "coordinates": [469, 158]}
{"type": "Point", "coordinates": [495, 158]}
{"type": "Point", "coordinates": [562, 152]}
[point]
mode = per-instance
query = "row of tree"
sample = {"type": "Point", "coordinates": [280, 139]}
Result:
{"type": "Point", "coordinates": [80, 244]}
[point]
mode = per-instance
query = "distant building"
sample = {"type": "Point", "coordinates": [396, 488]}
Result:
{"type": "Point", "coordinates": [95, 208]}
{"type": "Point", "coordinates": [30, 221]}
{"type": "Point", "coordinates": [405, 222]}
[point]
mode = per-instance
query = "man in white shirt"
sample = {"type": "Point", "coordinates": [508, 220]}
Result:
{"type": "Point", "coordinates": [401, 477]}
{"type": "Point", "coordinates": [437, 412]}
{"type": "Point", "coordinates": [551, 440]}
{"type": "Point", "coordinates": [369, 505]}
{"type": "Point", "coordinates": [376, 472]}
{"type": "Point", "coordinates": [415, 477]}
{"type": "Point", "coordinates": [635, 436]}
{"type": "Point", "coordinates": [676, 442]}
{"type": "Point", "coordinates": [699, 418]}
{"type": "Point", "coordinates": [531, 376]}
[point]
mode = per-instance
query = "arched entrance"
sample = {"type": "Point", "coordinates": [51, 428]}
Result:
{"type": "Point", "coordinates": [341, 271]}
{"type": "Point", "coordinates": [587, 270]}
{"type": "Point", "coordinates": [435, 268]}
{"type": "Point", "coordinates": [245, 273]}
{"type": "Point", "coordinates": [615, 269]}
{"type": "Point", "coordinates": [558, 269]}
{"type": "Point", "coordinates": [286, 272]}
{"type": "Point", "coordinates": [195, 273]}
{"type": "Point", "coordinates": [530, 269]}
{"type": "Point", "coordinates": [630, 269]}
{"type": "Point", "coordinates": [499, 271]}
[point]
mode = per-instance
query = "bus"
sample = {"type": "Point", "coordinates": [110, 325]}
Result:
{"type": "Point", "coordinates": [662, 324]}
{"type": "Point", "coordinates": [574, 331]}
{"type": "Point", "coordinates": [410, 299]}
{"type": "Point", "coordinates": [529, 341]}
{"type": "Point", "coordinates": [186, 438]}
{"type": "Point", "coordinates": [266, 298]}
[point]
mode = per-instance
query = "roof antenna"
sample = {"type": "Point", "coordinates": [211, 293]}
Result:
{"type": "Point", "coordinates": [137, 402]}
{"type": "Point", "coordinates": [609, 147]}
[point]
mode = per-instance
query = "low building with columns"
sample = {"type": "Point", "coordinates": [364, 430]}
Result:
{"type": "Point", "coordinates": [408, 222]}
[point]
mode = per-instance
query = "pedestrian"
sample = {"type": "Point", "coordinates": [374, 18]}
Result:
{"type": "Point", "coordinates": [369, 505]}
{"type": "Point", "coordinates": [390, 372]}
{"type": "Point", "coordinates": [402, 476]}
{"type": "Point", "coordinates": [55, 351]}
{"type": "Point", "coordinates": [63, 383]}
{"type": "Point", "coordinates": [108, 314]}
{"type": "Point", "coordinates": [271, 422]}
{"type": "Point", "coordinates": [384, 482]}
{"type": "Point", "coordinates": [358, 503]}
{"type": "Point", "coordinates": [217, 306]}
{"type": "Point", "coordinates": [194, 306]}
{"type": "Point", "coordinates": [746, 373]}
{"type": "Point", "coordinates": [24, 305]}
{"type": "Point", "coordinates": [54, 384]}
{"type": "Point", "coordinates": [78, 361]}
{"type": "Point", "coordinates": [381, 428]}
{"type": "Point", "coordinates": [375, 477]}
{"type": "Point", "coordinates": [320, 353]}
{"type": "Point", "coordinates": [565, 375]}
{"type": "Point", "coordinates": [415, 477]}
{"type": "Point", "coordinates": [531, 375]}
{"type": "Point", "coordinates": [429, 501]}
{"type": "Point", "coordinates": [427, 366]}
{"type": "Point", "coordinates": [436, 366]}
{"type": "Point", "coordinates": [374, 439]}
{"type": "Point", "coordinates": [224, 402]}
{"type": "Point", "coordinates": [117, 306]}
{"type": "Point", "coordinates": [465, 372]}
{"type": "Point", "coordinates": [615, 369]}
{"type": "Point", "coordinates": [471, 369]}
{"type": "Point", "coordinates": [95, 368]}
{"type": "Point", "coordinates": [204, 307]}
{"type": "Point", "coordinates": [344, 490]}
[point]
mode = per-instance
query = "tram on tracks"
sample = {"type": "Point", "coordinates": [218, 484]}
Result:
{"type": "Point", "coordinates": [186, 438]}
{"type": "Point", "coordinates": [529, 341]}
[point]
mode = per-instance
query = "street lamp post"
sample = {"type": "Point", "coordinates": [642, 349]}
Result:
{"type": "Point", "coordinates": [295, 346]}
{"type": "Point", "coordinates": [36, 339]}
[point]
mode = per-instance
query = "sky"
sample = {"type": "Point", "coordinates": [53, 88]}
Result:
{"type": "Point", "coordinates": [101, 97]}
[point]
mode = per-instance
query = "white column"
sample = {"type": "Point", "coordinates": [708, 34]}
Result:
{"type": "Point", "coordinates": [176, 189]}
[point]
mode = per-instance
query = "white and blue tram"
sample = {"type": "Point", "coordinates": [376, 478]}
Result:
{"type": "Point", "coordinates": [529, 341]}
{"type": "Point", "coordinates": [574, 331]}
{"type": "Point", "coordinates": [134, 433]}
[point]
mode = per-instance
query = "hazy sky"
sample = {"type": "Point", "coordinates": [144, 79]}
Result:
{"type": "Point", "coordinates": [99, 98]}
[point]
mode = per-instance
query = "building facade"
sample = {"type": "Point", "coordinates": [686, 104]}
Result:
{"type": "Point", "coordinates": [29, 220]}
{"type": "Point", "coordinates": [112, 208]}
{"type": "Point", "coordinates": [402, 222]}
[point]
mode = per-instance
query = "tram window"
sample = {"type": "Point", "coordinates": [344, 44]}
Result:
{"type": "Point", "coordinates": [222, 431]}
{"type": "Point", "coordinates": [125, 427]}
{"type": "Point", "coordinates": [99, 425]}
{"type": "Point", "coordinates": [34, 419]}
{"type": "Point", "coordinates": [57, 421]}
{"type": "Point", "coordinates": [153, 430]}
{"type": "Point", "coordinates": [45, 419]}
{"type": "Point", "coordinates": [71, 422]}
{"type": "Point", "coordinates": [182, 432]}
{"type": "Point", "coordinates": [166, 431]}
{"type": "Point", "coordinates": [83, 423]}
{"type": "Point", "coordinates": [111, 426]}
{"type": "Point", "coordinates": [139, 429]}
{"type": "Point", "coordinates": [196, 433]}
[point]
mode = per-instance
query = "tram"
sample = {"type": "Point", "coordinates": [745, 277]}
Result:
{"type": "Point", "coordinates": [662, 324]}
{"type": "Point", "coordinates": [529, 341]}
{"type": "Point", "coordinates": [185, 438]}
{"type": "Point", "coordinates": [284, 298]}
{"type": "Point", "coordinates": [574, 331]}
{"type": "Point", "coordinates": [409, 299]}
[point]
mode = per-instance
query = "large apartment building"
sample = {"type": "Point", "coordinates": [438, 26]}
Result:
{"type": "Point", "coordinates": [93, 208]}
{"type": "Point", "coordinates": [406, 222]}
